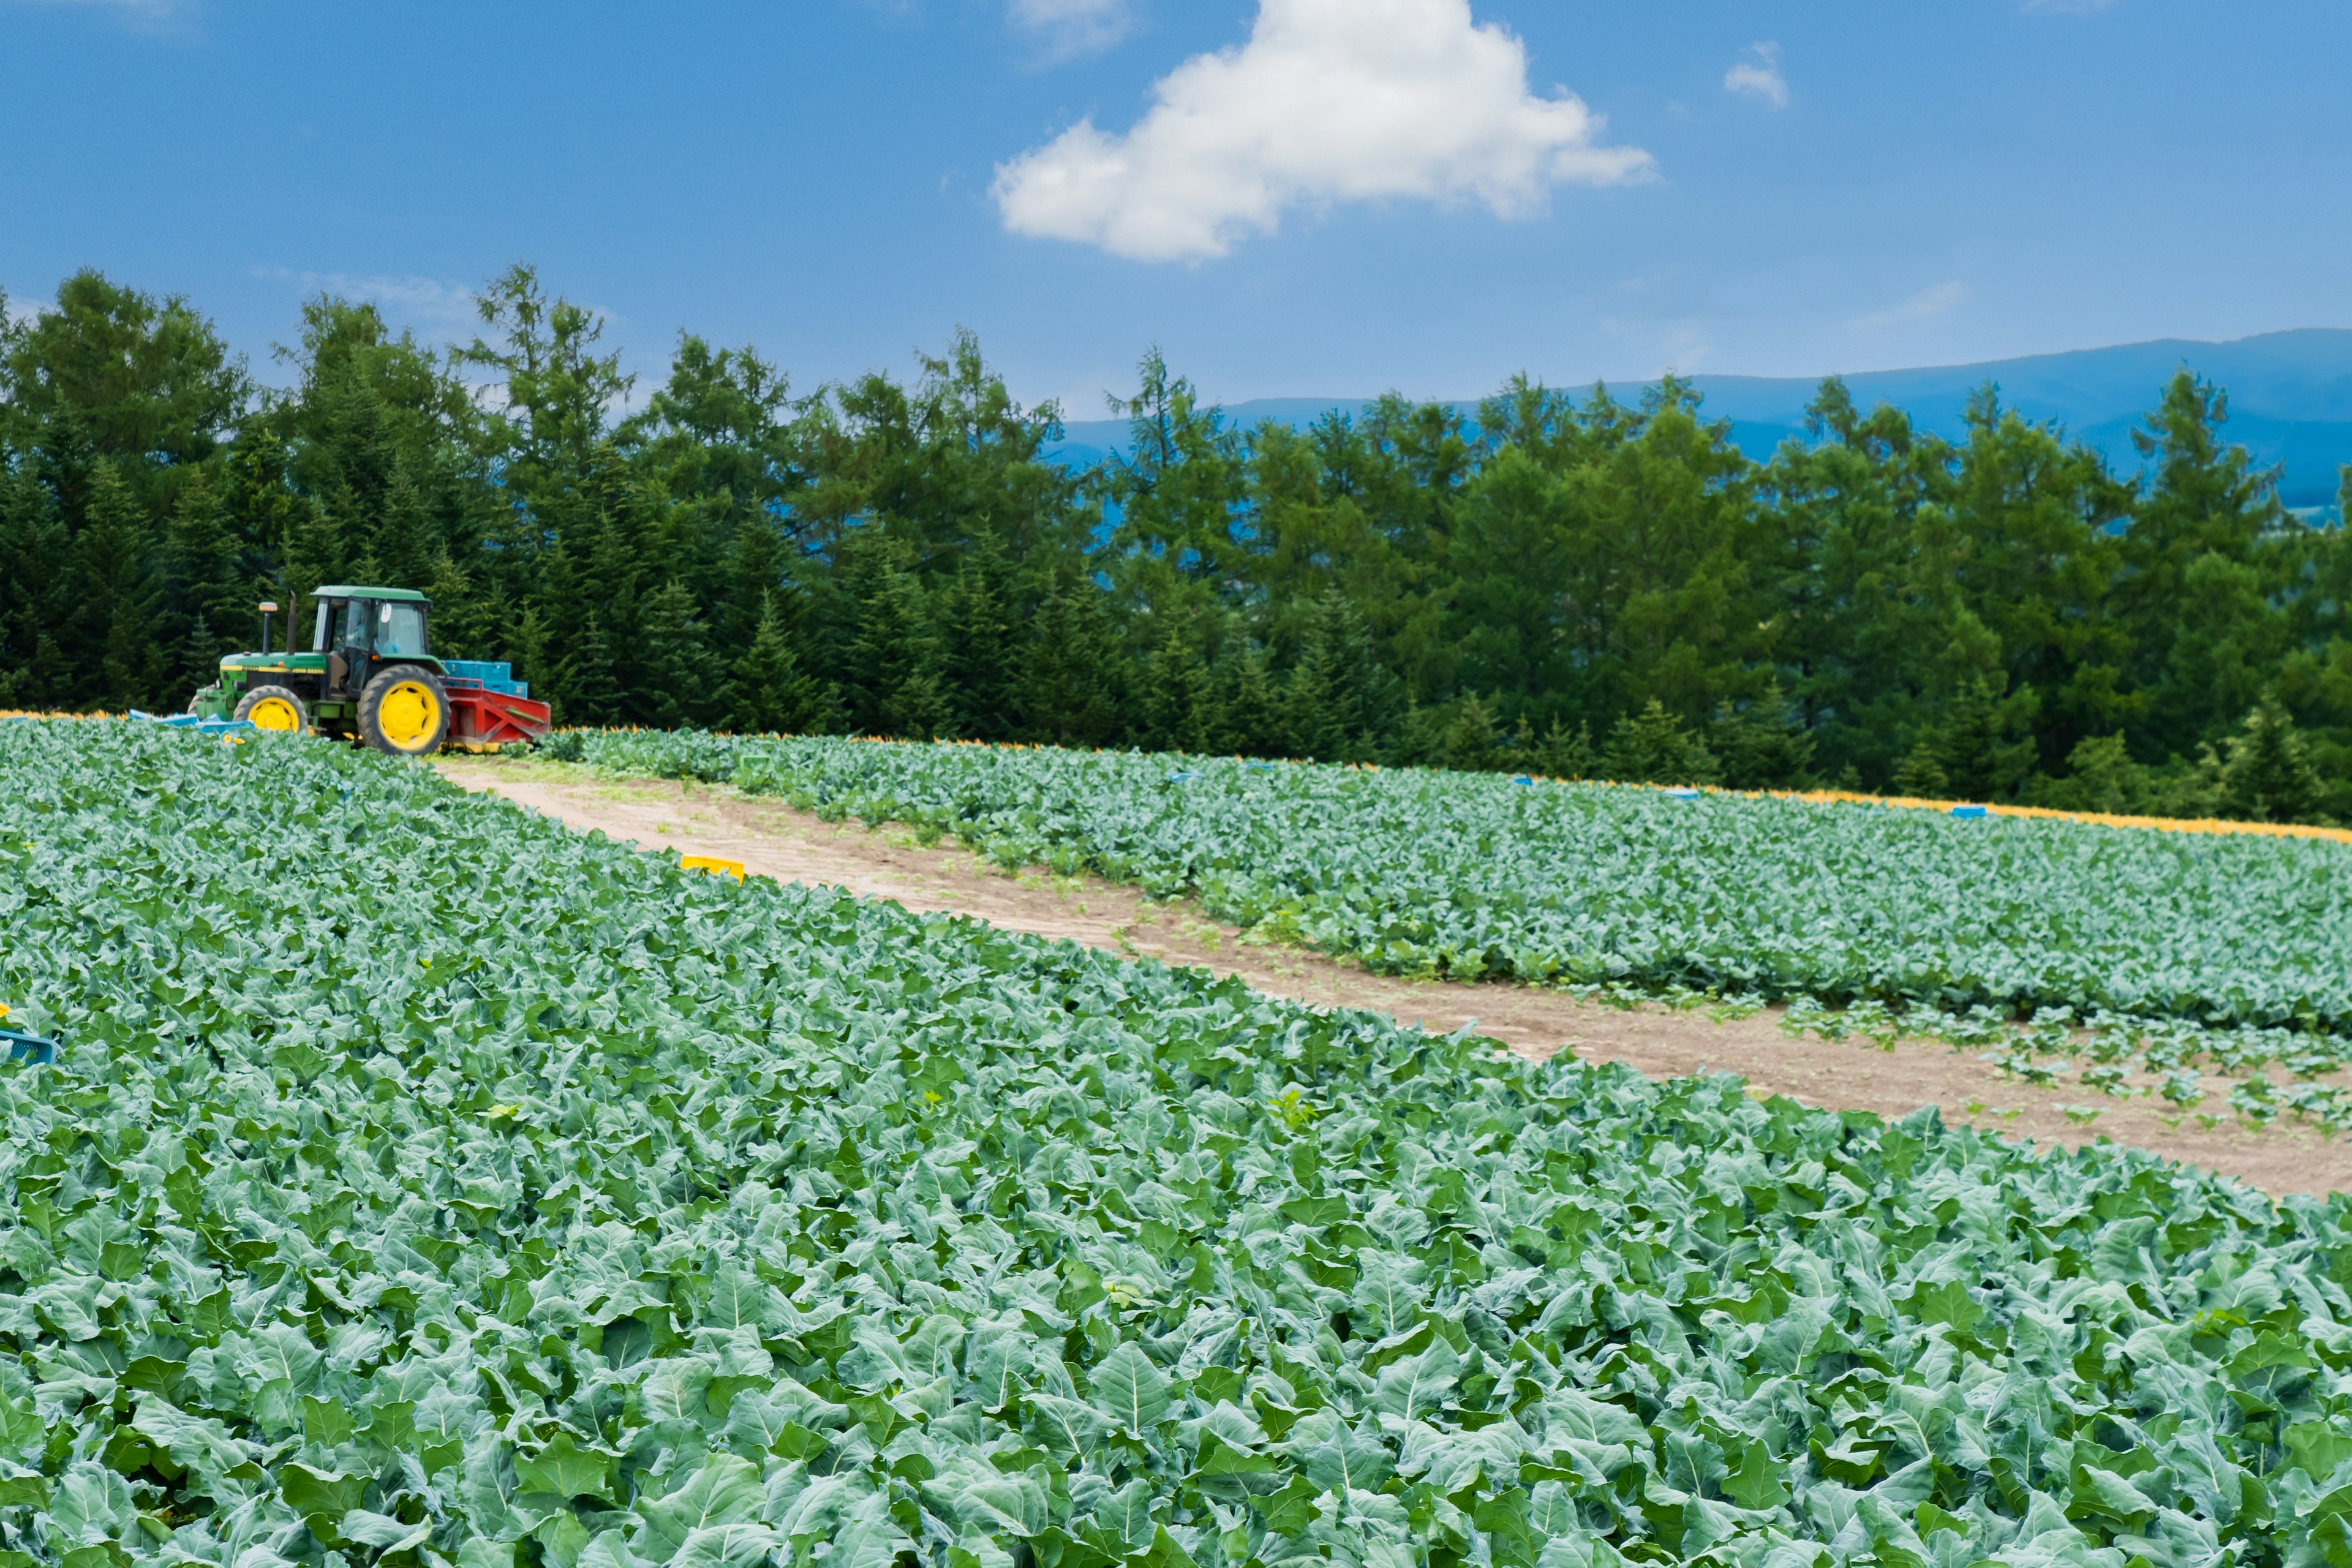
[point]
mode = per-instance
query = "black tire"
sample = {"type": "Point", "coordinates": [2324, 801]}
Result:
{"type": "Point", "coordinates": [264, 707]}
{"type": "Point", "coordinates": [405, 711]}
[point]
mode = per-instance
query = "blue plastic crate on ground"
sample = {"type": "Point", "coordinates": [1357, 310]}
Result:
{"type": "Point", "coordinates": [487, 675]}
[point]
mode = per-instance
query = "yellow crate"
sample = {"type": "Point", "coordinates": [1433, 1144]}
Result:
{"type": "Point", "coordinates": [712, 864]}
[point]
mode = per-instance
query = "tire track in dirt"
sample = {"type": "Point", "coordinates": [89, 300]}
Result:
{"type": "Point", "coordinates": [772, 840]}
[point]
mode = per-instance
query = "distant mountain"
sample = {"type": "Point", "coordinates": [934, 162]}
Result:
{"type": "Point", "coordinates": [2290, 402]}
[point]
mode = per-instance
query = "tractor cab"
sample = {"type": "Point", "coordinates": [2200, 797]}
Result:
{"type": "Point", "coordinates": [359, 630]}
{"type": "Point", "coordinates": [370, 675]}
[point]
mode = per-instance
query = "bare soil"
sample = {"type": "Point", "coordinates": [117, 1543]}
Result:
{"type": "Point", "coordinates": [772, 840]}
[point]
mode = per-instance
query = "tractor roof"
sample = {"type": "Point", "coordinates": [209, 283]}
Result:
{"type": "Point", "coordinates": [345, 590]}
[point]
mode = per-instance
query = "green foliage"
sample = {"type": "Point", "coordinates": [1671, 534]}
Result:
{"type": "Point", "coordinates": [1652, 747]}
{"type": "Point", "coordinates": [421, 1183]}
{"type": "Point", "coordinates": [1477, 877]}
{"type": "Point", "coordinates": [2268, 778]}
{"type": "Point", "coordinates": [1402, 586]}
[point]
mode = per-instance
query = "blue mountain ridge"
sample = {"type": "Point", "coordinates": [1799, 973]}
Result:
{"type": "Point", "coordinates": [2290, 403]}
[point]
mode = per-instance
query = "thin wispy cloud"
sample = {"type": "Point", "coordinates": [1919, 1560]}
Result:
{"type": "Point", "coordinates": [140, 14]}
{"type": "Point", "coordinates": [1327, 101]}
{"type": "Point", "coordinates": [1759, 76]}
{"type": "Point", "coordinates": [1935, 299]}
{"type": "Point", "coordinates": [439, 308]}
{"type": "Point", "coordinates": [1071, 28]}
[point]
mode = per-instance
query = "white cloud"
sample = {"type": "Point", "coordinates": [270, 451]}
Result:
{"type": "Point", "coordinates": [144, 12]}
{"type": "Point", "coordinates": [1073, 27]}
{"type": "Point", "coordinates": [1935, 299]}
{"type": "Point", "coordinates": [440, 308]}
{"type": "Point", "coordinates": [1330, 101]}
{"type": "Point", "coordinates": [1760, 74]}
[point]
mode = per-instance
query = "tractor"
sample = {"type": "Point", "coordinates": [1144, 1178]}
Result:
{"type": "Point", "coordinates": [370, 677]}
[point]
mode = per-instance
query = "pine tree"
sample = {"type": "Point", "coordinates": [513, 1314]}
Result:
{"type": "Point", "coordinates": [1652, 747]}
{"type": "Point", "coordinates": [978, 667]}
{"type": "Point", "coordinates": [1764, 745]}
{"type": "Point", "coordinates": [200, 557]}
{"type": "Point", "coordinates": [1246, 702]}
{"type": "Point", "coordinates": [774, 695]}
{"type": "Point", "coordinates": [2268, 778]}
{"type": "Point", "coordinates": [585, 690]}
{"type": "Point", "coordinates": [1981, 762]}
{"type": "Point", "coordinates": [680, 675]}
{"type": "Point", "coordinates": [2102, 776]}
{"type": "Point", "coordinates": [1565, 753]}
{"type": "Point", "coordinates": [406, 542]}
{"type": "Point", "coordinates": [1339, 704]}
{"type": "Point", "coordinates": [120, 596]}
{"type": "Point", "coordinates": [1180, 703]}
{"type": "Point", "coordinates": [199, 658]}
{"type": "Point", "coordinates": [1921, 774]}
{"type": "Point", "coordinates": [895, 657]}
{"type": "Point", "coordinates": [1470, 741]}
{"type": "Point", "coordinates": [1073, 673]}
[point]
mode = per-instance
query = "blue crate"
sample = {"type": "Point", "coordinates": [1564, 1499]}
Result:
{"type": "Point", "coordinates": [485, 675]}
{"type": "Point", "coordinates": [1967, 811]}
{"type": "Point", "coordinates": [30, 1047]}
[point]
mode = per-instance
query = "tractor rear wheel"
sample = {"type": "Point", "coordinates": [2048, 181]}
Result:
{"type": "Point", "coordinates": [405, 711]}
{"type": "Point", "coordinates": [275, 709]}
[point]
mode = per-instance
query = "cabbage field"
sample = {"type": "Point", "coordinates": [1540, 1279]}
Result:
{"type": "Point", "coordinates": [420, 1184]}
{"type": "Point", "coordinates": [1476, 875]}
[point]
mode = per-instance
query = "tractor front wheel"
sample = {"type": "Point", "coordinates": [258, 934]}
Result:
{"type": "Point", "coordinates": [405, 711]}
{"type": "Point", "coordinates": [275, 710]}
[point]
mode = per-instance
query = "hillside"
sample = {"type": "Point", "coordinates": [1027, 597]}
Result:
{"type": "Point", "coordinates": [2290, 401]}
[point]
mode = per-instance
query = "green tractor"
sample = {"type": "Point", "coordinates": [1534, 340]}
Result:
{"type": "Point", "coordinates": [370, 677]}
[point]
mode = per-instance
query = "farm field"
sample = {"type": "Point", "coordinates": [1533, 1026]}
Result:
{"type": "Point", "coordinates": [421, 1183]}
{"type": "Point", "coordinates": [1893, 1076]}
{"type": "Point", "coordinates": [2172, 947]}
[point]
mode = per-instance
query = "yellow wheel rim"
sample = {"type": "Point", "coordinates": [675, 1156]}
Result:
{"type": "Point", "coordinates": [275, 713]}
{"type": "Point", "coordinates": [408, 715]}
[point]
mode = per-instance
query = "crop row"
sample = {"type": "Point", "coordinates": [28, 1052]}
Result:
{"type": "Point", "coordinates": [421, 1183]}
{"type": "Point", "coordinates": [1475, 875]}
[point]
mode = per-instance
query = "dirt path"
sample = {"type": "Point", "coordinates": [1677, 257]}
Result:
{"type": "Point", "coordinates": [772, 840]}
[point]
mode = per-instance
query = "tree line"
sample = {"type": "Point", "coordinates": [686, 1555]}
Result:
{"type": "Point", "coordinates": [1580, 587]}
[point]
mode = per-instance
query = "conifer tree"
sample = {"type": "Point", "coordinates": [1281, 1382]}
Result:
{"type": "Point", "coordinates": [978, 669]}
{"type": "Point", "coordinates": [774, 694]}
{"type": "Point", "coordinates": [1764, 745]}
{"type": "Point", "coordinates": [1073, 671]}
{"type": "Point", "coordinates": [2268, 777]}
{"type": "Point", "coordinates": [119, 595]}
{"type": "Point", "coordinates": [1565, 753]}
{"type": "Point", "coordinates": [201, 579]}
{"type": "Point", "coordinates": [1180, 703]}
{"type": "Point", "coordinates": [1921, 775]}
{"type": "Point", "coordinates": [1243, 680]}
{"type": "Point", "coordinates": [1339, 704]}
{"type": "Point", "coordinates": [1980, 760]}
{"type": "Point", "coordinates": [895, 655]}
{"type": "Point", "coordinates": [1470, 741]}
{"type": "Point", "coordinates": [1652, 747]}
{"type": "Point", "coordinates": [2102, 776]}
{"type": "Point", "coordinates": [585, 690]}
{"type": "Point", "coordinates": [679, 675]}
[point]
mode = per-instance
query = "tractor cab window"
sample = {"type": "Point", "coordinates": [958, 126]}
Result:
{"type": "Point", "coordinates": [353, 630]}
{"type": "Point", "coordinates": [319, 643]}
{"type": "Point", "coordinates": [399, 631]}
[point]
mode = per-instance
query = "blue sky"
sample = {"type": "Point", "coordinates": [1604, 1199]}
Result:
{"type": "Point", "coordinates": [1358, 195]}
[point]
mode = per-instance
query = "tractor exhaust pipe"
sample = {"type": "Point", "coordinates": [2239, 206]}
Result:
{"type": "Point", "coordinates": [268, 608]}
